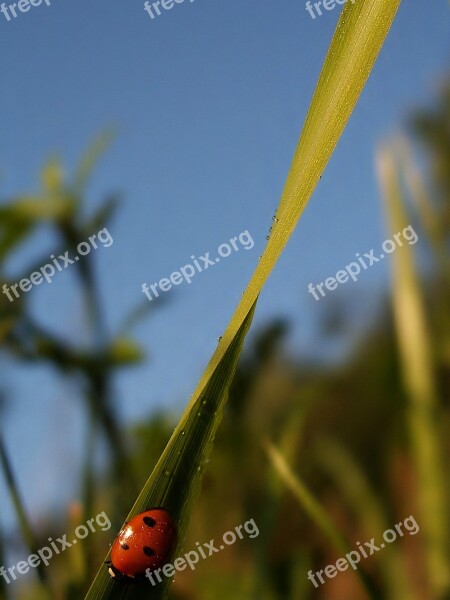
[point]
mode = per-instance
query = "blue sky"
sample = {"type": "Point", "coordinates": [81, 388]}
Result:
{"type": "Point", "coordinates": [208, 100]}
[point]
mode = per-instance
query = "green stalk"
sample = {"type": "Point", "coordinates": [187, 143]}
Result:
{"type": "Point", "coordinates": [420, 384]}
{"type": "Point", "coordinates": [307, 501]}
{"type": "Point", "coordinates": [433, 225]}
{"type": "Point", "coordinates": [22, 517]}
{"type": "Point", "coordinates": [369, 511]}
{"type": "Point", "coordinates": [316, 513]}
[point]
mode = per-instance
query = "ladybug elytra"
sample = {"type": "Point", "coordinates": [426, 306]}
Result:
{"type": "Point", "coordinates": [145, 542]}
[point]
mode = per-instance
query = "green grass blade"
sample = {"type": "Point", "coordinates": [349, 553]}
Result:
{"type": "Point", "coordinates": [353, 485]}
{"type": "Point", "coordinates": [369, 511]}
{"type": "Point", "coordinates": [359, 37]}
{"type": "Point", "coordinates": [3, 584]}
{"type": "Point", "coordinates": [432, 222]}
{"type": "Point", "coordinates": [307, 501]}
{"type": "Point", "coordinates": [177, 475]}
{"type": "Point", "coordinates": [315, 511]}
{"type": "Point", "coordinates": [420, 384]}
{"type": "Point", "coordinates": [22, 517]}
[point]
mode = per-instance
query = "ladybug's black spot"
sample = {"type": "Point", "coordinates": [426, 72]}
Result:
{"type": "Point", "coordinates": [125, 546]}
{"type": "Point", "coordinates": [149, 521]}
{"type": "Point", "coordinates": [149, 551]}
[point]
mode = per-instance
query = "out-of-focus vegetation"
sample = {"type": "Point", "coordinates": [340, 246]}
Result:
{"type": "Point", "coordinates": [357, 435]}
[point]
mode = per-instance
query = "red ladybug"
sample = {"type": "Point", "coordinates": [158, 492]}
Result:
{"type": "Point", "coordinates": [146, 542]}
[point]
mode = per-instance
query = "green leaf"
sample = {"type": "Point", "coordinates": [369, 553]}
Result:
{"type": "Point", "coordinates": [101, 217]}
{"type": "Point", "coordinates": [12, 230]}
{"type": "Point", "coordinates": [32, 209]}
{"type": "Point", "coordinates": [124, 351]}
{"type": "Point", "coordinates": [52, 177]}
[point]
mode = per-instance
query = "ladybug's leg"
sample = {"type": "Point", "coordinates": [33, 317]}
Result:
{"type": "Point", "coordinates": [112, 573]}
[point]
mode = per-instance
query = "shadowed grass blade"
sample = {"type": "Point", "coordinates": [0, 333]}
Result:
{"type": "Point", "coordinates": [177, 475]}
{"type": "Point", "coordinates": [22, 517]}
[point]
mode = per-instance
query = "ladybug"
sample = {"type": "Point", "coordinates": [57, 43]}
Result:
{"type": "Point", "coordinates": [146, 542]}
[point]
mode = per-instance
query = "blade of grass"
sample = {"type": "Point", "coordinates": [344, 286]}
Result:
{"type": "Point", "coordinates": [274, 491]}
{"type": "Point", "coordinates": [22, 517]}
{"type": "Point", "coordinates": [359, 37]}
{"type": "Point", "coordinates": [419, 380]}
{"type": "Point", "coordinates": [80, 557]}
{"type": "Point", "coordinates": [300, 586]}
{"type": "Point", "coordinates": [175, 480]}
{"type": "Point", "coordinates": [307, 501]}
{"type": "Point", "coordinates": [84, 556]}
{"type": "Point", "coordinates": [433, 225]}
{"type": "Point", "coordinates": [315, 512]}
{"type": "Point", "coordinates": [3, 583]}
{"type": "Point", "coordinates": [369, 511]}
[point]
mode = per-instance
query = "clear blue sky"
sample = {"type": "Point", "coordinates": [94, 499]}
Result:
{"type": "Point", "coordinates": [209, 100]}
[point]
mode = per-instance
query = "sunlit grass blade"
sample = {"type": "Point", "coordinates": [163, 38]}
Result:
{"type": "Point", "coordinates": [433, 225]}
{"type": "Point", "coordinates": [177, 475]}
{"type": "Point", "coordinates": [315, 511]}
{"type": "Point", "coordinates": [370, 514]}
{"type": "Point", "coordinates": [433, 222]}
{"type": "Point", "coordinates": [419, 380]}
{"type": "Point", "coordinates": [359, 37]}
